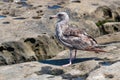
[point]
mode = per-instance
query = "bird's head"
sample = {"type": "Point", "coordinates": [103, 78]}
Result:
{"type": "Point", "coordinates": [61, 16]}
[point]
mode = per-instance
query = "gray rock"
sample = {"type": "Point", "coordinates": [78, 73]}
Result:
{"type": "Point", "coordinates": [92, 29]}
{"type": "Point", "coordinates": [116, 16]}
{"type": "Point", "coordinates": [29, 49]}
{"type": "Point", "coordinates": [87, 66]}
{"type": "Point", "coordinates": [111, 27]}
{"type": "Point", "coordinates": [27, 71]}
{"type": "Point", "coordinates": [109, 38]}
{"type": "Point", "coordinates": [17, 1]}
{"type": "Point", "coordinates": [16, 52]}
{"type": "Point", "coordinates": [103, 12]}
{"type": "Point", "coordinates": [106, 73]}
{"type": "Point", "coordinates": [75, 0]}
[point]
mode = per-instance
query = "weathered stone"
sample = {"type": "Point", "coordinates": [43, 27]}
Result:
{"type": "Point", "coordinates": [115, 16]}
{"type": "Point", "coordinates": [29, 49]}
{"type": "Point", "coordinates": [103, 12]}
{"type": "Point", "coordinates": [87, 65]}
{"type": "Point", "coordinates": [44, 46]}
{"type": "Point", "coordinates": [92, 29]}
{"type": "Point", "coordinates": [16, 52]}
{"type": "Point", "coordinates": [106, 72]}
{"type": "Point", "coordinates": [75, 1]}
{"type": "Point", "coordinates": [111, 27]}
{"type": "Point", "coordinates": [27, 71]}
{"type": "Point", "coordinates": [114, 37]}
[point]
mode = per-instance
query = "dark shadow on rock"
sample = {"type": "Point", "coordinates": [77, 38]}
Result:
{"type": "Point", "coordinates": [50, 70]}
{"type": "Point", "coordinates": [60, 62]}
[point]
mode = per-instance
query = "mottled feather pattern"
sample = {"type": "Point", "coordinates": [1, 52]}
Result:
{"type": "Point", "coordinates": [78, 38]}
{"type": "Point", "coordinates": [73, 38]}
{"type": "Point", "coordinates": [72, 32]}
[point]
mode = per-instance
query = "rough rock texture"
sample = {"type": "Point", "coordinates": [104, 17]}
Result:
{"type": "Point", "coordinates": [26, 21]}
{"type": "Point", "coordinates": [112, 27]}
{"type": "Point", "coordinates": [28, 71]}
{"type": "Point", "coordinates": [103, 12]}
{"type": "Point", "coordinates": [32, 17]}
{"type": "Point", "coordinates": [29, 49]}
{"type": "Point", "coordinates": [87, 66]}
{"type": "Point", "coordinates": [27, 34]}
{"type": "Point", "coordinates": [113, 37]}
{"type": "Point", "coordinates": [106, 72]}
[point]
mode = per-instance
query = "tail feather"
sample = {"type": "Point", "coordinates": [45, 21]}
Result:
{"type": "Point", "coordinates": [98, 50]}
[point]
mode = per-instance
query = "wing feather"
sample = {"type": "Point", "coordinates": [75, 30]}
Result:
{"type": "Point", "coordinates": [79, 39]}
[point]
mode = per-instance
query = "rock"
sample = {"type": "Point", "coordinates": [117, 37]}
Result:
{"type": "Point", "coordinates": [106, 72]}
{"type": "Point", "coordinates": [5, 12]}
{"type": "Point", "coordinates": [111, 27]}
{"type": "Point", "coordinates": [17, 1]}
{"type": "Point", "coordinates": [29, 49]}
{"type": "Point", "coordinates": [118, 10]}
{"type": "Point", "coordinates": [113, 37]}
{"type": "Point", "coordinates": [8, 0]}
{"type": "Point", "coordinates": [106, 12]}
{"type": "Point", "coordinates": [44, 46]}
{"type": "Point", "coordinates": [87, 66]}
{"type": "Point", "coordinates": [92, 29]}
{"type": "Point", "coordinates": [82, 68]}
{"type": "Point", "coordinates": [103, 12]}
{"type": "Point", "coordinates": [88, 26]}
{"type": "Point", "coordinates": [115, 16]}
{"type": "Point", "coordinates": [16, 52]}
{"type": "Point", "coordinates": [75, 1]}
{"type": "Point", "coordinates": [28, 71]}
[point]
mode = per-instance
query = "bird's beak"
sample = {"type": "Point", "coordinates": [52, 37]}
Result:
{"type": "Point", "coordinates": [54, 16]}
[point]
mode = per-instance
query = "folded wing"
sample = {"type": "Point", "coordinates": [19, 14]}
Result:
{"type": "Point", "coordinates": [78, 39]}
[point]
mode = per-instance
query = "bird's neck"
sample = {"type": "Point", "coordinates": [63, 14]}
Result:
{"type": "Point", "coordinates": [65, 21]}
{"type": "Point", "coordinates": [63, 24]}
{"type": "Point", "coordinates": [61, 27]}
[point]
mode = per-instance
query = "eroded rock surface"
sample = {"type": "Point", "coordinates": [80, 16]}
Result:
{"type": "Point", "coordinates": [27, 34]}
{"type": "Point", "coordinates": [29, 49]}
{"type": "Point", "coordinates": [112, 27]}
{"type": "Point", "coordinates": [87, 66]}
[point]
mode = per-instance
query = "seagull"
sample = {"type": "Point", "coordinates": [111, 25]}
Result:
{"type": "Point", "coordinates": [73, 38]}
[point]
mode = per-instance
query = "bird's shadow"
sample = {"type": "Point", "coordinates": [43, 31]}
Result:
{"type": "Point", "coordinates": [59, 62]}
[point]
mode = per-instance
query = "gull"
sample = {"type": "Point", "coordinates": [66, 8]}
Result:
{"type": "Point", "coordinates": [73, 38]}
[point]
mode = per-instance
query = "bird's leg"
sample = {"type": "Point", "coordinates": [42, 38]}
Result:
{"type": "Point", "coordinates": [70, 60]}
{"type": "Point", "coordinates": [74, 55]}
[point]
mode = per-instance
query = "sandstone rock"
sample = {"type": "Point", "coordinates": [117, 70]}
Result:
{"type": "Point", "coordinates": [28, 71]}
{"type": "Point", "coordinates": [115, 16]}
{"type": "Point", "coordinates": [103, 12]}
{"type": "Point", "coordinates": [106, 72]}
{"type": "Point", "coordinates": [92, 29]}
{"type": "Point", "coordinates": [107, 13]}
{"type": "Point", "coordinates": [109, 38]}
{"type": "Point", "coordinates": [75, 0]}
{"type": "Point", "coordinates": [17, 1]}
{"type": "Point", "coordinates": [5, 12]}
{"type": "Point", "coordinates": [16, 52]}
{"type": "Point", "coordinates": [87, 66]}
{"type": "Point", "coordinates": [82, 68]}
{"type": "Point", "coordinates": [44, 46]}
{"type": "Point", "coordinates": [29, 49]}
{"type": "Point", "coordinates": [111, 27]}
{"type": "Point", "coordinates": [118, 10]}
